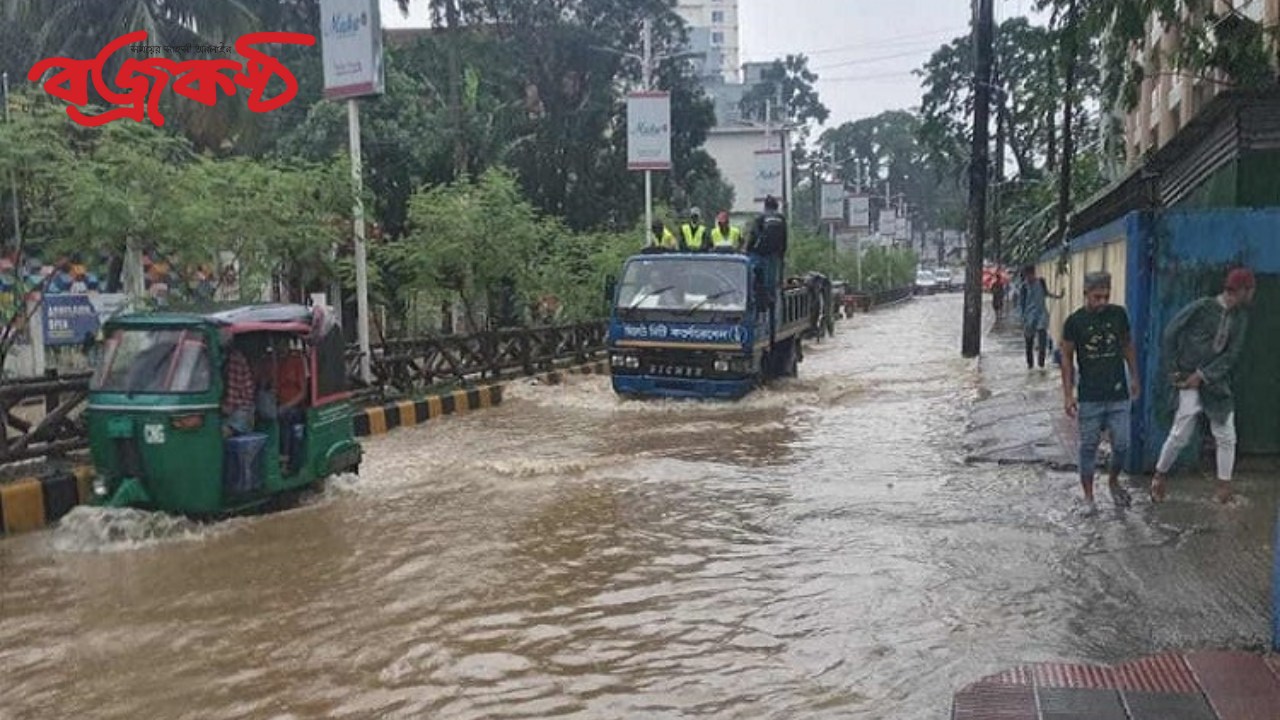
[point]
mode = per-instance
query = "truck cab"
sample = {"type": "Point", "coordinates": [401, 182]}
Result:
{"type": "Point", "coordinates": [702, 325]}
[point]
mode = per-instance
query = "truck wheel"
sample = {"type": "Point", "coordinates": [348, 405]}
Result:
{"type": "Point", "coordinates": [791, 359]}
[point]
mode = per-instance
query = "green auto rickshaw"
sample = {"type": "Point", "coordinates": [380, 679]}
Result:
{"type": "Point", "coordinates": [219, 413]}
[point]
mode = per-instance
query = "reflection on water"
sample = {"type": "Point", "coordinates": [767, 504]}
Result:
{"type": "Point", "coordinates": [817, 550]}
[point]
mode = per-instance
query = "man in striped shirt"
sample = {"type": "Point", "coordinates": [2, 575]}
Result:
{"type": "Point", "coordinates": [237, 402]}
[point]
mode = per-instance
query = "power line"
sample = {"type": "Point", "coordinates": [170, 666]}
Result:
{"type": "Point", "coordinates": [895, 41]}
{"type": "Point", "coordinates": [862, 78]}
{"type": "Point", "coordinates": [868, 61]}
{"type": "Point", "coordinates": [892, 41]}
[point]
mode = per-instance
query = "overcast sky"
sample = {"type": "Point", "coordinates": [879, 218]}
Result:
{"type": "Point", "coordinates": [862, 50]}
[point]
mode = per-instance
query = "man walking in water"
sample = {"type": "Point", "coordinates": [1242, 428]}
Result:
{"type": "Point", "coordinates": [1097, 335]}
{"type": "Point", "coordinates": [1202, 344]}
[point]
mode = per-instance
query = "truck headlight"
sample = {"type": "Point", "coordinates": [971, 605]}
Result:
{"type": "Point", "coordinates": [632, 362]}
{"type": "Point", "coordinates": [617, 360]}
{"type": "Point", "coordinates": [721, 365]}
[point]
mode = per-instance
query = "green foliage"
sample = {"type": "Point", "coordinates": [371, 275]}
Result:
{"type": "Point", "coordinates": [890, 145]}
{"type": "Point", "coordinates": [883, 268]}
{"type": "Point", "coordinates": [93, 191]}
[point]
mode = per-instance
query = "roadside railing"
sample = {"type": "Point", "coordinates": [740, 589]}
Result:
{"type": "Point", "coordinates": [40, 417]}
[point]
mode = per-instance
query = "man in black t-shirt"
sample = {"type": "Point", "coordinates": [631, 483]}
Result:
{"type": "Point", "coordinates": [1097, 337]}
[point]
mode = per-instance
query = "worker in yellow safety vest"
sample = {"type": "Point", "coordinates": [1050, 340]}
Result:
{"type": "Point", "coordinates": [725, 238]}
{"type": "Point", "coordinates": [662, 238]}
{"type": "Point", "coordinates": [695, 233]}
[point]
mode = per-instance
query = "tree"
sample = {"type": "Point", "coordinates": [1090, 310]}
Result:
{"type": "Point", "coordinates": [787, 87]}
{"type": "Point", "coordinates": [889, 148]}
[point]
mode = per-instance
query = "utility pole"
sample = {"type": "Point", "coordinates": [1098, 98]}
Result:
{"type": "Point", "coordinates": [983, 31]}
{"type": "Point", "coordinates": [1068, 147]}
{"type": "Point", "coordinates": [13, 178]}
{"type": "Point", "coordinates": [997, 191]}
{"type": "Point", "coordinates": [646, 64]}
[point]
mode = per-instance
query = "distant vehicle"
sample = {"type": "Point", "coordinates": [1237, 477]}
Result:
{"type": "Point", "coordinates": [925, 282]}
{"type": "Point", "coordinates": [942, 277]}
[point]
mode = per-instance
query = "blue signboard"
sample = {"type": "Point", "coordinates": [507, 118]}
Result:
{"type": "Point", "coordinates": [68, 319]}
{"type": "Point", "coordinates": [681, 332]}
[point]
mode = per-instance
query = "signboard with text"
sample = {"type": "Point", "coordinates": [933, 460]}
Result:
{"type": "Point", "coordinates": [68, 319]}
{"type": "Point", "coordinates": [859, 211]}
{"type": "Point", "coordinates": [649, 131]}
{"type": "Point", "coordinates": [351, 46]}
{"type": "Point", "coordinates": [832, 201]}
{"type": "Point", "coordinates": [768, 178]}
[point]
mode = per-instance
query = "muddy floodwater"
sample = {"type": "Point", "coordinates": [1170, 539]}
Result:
{"type": "Point", "coordinates": [819, 550]}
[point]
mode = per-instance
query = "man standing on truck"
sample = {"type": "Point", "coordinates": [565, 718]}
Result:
{"type": "Point", "coordinates": [724, 237]}
{"type": "Point", "coordinates": [769, 243]}
{"type": "Point", "coordinates": [660, 238]}
{"type": "Point", "coordinates": [695, 233]}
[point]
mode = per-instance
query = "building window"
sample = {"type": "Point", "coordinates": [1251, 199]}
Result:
{"type": "Point", "coordinates": [717, 38]}
{"type": "Point", "coordinates": [717, 17]}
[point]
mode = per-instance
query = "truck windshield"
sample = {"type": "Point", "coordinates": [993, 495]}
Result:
{"type": "Point", "coordinates": [154, 361]}
{"type": "Point", "coordinates": [683, 285]}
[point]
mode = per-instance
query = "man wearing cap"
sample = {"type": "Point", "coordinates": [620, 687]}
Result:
{"type": "Point", "coordinates": [1201, 345]}
{"type": "Point", "coordinates": [694, 232]}
{"type": "Point", "coordinates": [724, 237]}
{"type": "Point", "coordinates": [1097, 336]}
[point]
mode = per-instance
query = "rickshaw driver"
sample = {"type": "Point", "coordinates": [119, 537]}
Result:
{"type": "Point", "coordinates": [237, 404]}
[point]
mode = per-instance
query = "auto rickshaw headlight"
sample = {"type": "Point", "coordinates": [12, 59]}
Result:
{"type": "Point", "coordinates": [187, 422]}
{"type": "Point", "coordinates": [100, 487]}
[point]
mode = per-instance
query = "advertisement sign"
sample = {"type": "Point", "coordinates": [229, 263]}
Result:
{"type": "Point", "coordinates": [351, 46]}
{"type": "Point", "coordinates": [859, 211]}
{"type": "Point", "coordinates": [68, 319]}
{"type": "Point", "coordinates": [649, 131]}
{"type": "Point", "coordinates": [832, 201]}
{"type": "Point", "coordinates": [768, 180]}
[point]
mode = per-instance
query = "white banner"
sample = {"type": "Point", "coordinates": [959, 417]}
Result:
{"type": "Point", "coordinates": [832, 201]}
{"type": "Point", "coordinates": [859, 211]}
{"type": "Point", "coordinates": [649, 131]}
{"type": "Point", "coordinates": [351, 48]}
{"type": "Point", "coordinates": [768, 174]}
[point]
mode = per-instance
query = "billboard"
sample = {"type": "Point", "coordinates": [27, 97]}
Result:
{"type": "Point", "coordinates": [832, 201]}
{"type": "Point", "coordinates": [859, 211]}
{"type": "Point", "coordinates": [351, 48]}
{"type": "Point", "coordinates": [649, 131]}
{"type": "Point", "coordinates": [768, 180]}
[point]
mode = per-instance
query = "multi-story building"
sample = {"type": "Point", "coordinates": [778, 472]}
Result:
{"type": "Point", "coordinates": [719, 20]}
{"type": "Point", "coordinates": [1169, 99]}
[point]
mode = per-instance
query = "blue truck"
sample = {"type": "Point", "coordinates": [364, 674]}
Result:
{"type": "Point", "coordinates": [706, 325]}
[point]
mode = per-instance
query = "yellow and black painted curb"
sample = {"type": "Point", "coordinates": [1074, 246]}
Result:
{"type": "Point", "coordinates": [380, 419]}
{"type": "Point", "coordinates": [33, 502]}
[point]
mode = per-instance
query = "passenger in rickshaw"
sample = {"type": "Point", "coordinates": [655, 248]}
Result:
{"type": "Point", "coordinates": [238, 400]}
{"type": "Point", "coordinates": [282, 377]}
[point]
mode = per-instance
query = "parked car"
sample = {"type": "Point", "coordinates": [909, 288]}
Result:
{"type": "Point", "coordinates": [925, 284]}
{"type": "Point", "coordinates": [942, 277]}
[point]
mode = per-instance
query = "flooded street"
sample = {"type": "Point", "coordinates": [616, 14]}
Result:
{"type": "Point", "coordinates": [819, 550]}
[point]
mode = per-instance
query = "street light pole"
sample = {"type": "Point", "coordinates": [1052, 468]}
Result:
{"type": "Point", "coordinates": [647, 74]}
